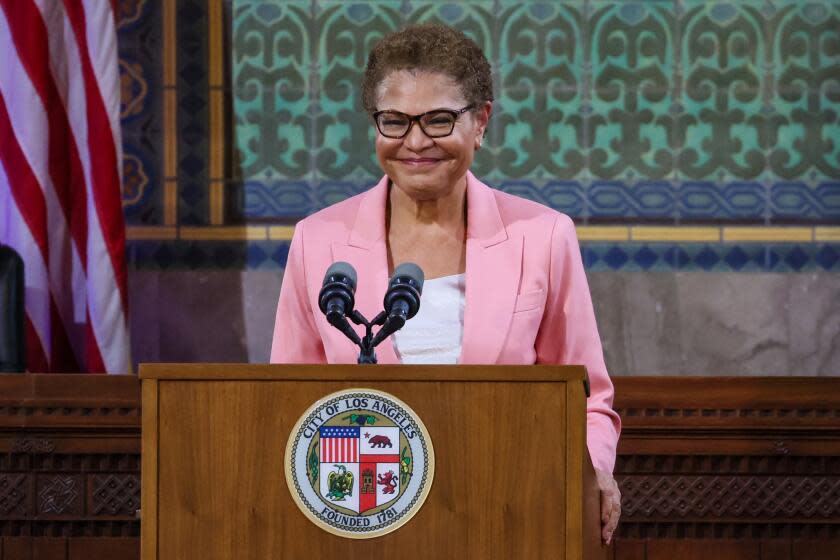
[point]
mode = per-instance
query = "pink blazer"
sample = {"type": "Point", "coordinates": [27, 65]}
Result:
{"type": "Point", "coordinates": [527, 299]}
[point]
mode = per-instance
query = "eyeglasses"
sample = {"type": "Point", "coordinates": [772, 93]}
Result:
{"type": "Point", "coordinates": [435, 124]}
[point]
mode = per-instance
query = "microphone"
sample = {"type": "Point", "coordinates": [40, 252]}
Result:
{"type": "Point", "coordinates": [336, 299]}
{"type": "Point", "coordinates": [402, 300]}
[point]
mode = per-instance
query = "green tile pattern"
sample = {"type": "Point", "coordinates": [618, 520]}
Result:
{"type": "Point", "coordinates": [727, 110]}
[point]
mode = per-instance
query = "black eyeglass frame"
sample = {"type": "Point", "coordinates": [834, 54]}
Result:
{"type": "Point", "coordinates": [416, 118]}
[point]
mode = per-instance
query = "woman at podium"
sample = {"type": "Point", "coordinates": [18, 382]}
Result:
{"type": "Point", "coordinates": [504, 279]}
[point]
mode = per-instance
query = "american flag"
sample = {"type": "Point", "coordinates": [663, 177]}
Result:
{"type": "Point", "coordinates": [339, 444]}
{"type": "Point", "coordinates": [60, 198]}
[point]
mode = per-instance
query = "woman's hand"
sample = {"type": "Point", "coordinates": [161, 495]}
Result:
{"type": "Point", "coordinates": [610, 504]}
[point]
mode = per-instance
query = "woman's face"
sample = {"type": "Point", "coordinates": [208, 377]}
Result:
{"type": "Point", "coordinates": [428, 168]}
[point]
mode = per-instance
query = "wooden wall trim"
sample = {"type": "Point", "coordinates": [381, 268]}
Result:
{"type": "Point", "coordinates": [69, 457]}
{"type": "Point", "coordinates": [707, 458]}
{"type": "Point", "coordinates": [700, 460]}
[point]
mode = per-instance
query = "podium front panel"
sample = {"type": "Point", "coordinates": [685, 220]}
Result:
{"type": "Point", "coordinates": [502, 485]}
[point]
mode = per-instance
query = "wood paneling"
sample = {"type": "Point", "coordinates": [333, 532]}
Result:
{"type": "Point", "coordinates": [751, 459]}
{"type": "Point", "coordinates": [816, 549]}
{"type": "Point", "coordinates": [775, 549]}
{"type": "Point", "coordinates": [102, 548]}
{"type": "Point", "coordinates": [149, 510]}
{"type": "Point", "coordinates": [712, 549]}
{"type": "Point", "coordinates": [69, 466]}
{"type": "Point", "coordinates": [222, 443]}
{"type": "Point", "coordinates": [49, 548]}
{"type": "Point", "coordinates": [630, 549]}
{"type": "Point", "coordinates": [19, 548]}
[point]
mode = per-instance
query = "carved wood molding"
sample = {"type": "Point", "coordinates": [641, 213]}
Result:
{"type": "Point", "coordinates": [673, 464]}
{"type": "Point", "coordinates": [32, 445]}
{"type": "Point", "coordinates": [37, 410]}
{"type": "Point", "coordinates": [728, 402]}
{"type": "Point", "coordinates": [13, 494]}
{"type": "Point", "coordinates": [714, 497]}
{"type": "Point", "coordinates": [52, 401]}
{"type": "Point", "coordinates": [69, 455]}
{"type": "Point", "coordinates": [729, 457]}
{"type": "Point", "coordinates": [728, 413]}
{"type": "Point", "coordinates": [698, 458]}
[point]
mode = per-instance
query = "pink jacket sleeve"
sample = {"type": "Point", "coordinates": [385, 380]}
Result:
{"type": "Point", "coordinates": [296, 339]}
{"type": "Point", "coordinates": [569, 335]}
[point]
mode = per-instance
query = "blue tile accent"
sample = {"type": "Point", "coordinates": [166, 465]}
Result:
{"type": "Point", "coordinates": [736, 258]}
{"type": "Point", "coordinates": [797, 200]}
{"type": "Point", "coordinates": [827, 257]}
{"type": "Point", "coordinates": [645, 258]}
{"type": "Point", "coordinates": [715, 257]}
{"type": "Point", "coordinates": [707, 258]}
{"type": "Point", "coordinates": [707, 200]}
{"type": "Point", "coordinates": [649, 199]}
{"type": "Point", "coordinates": [280, 255]}
{"type": "Point", "coordinates": [797, 258]}
{"type": "Point", "coordinates": [677, 257]}
{"type": "Point", "coordinates": [615, 257]}
{"type": "Point", "coordinates": [285, 199]}
{"type": "Point", "coordinates": [219, 255]}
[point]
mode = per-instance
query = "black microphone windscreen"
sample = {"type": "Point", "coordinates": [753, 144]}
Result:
{"type": "Point", "coordinates": [412, 271]}
{"type": "Point", "coordinates": [341, 268]}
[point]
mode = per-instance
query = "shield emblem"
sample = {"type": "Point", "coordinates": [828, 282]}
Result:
{"type": "Point", "coordinates": [359, 466]}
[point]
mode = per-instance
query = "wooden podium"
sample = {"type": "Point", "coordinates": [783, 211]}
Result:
{"type": "Point", "coordinates": [512, 480]}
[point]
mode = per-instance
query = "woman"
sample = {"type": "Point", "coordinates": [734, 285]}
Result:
{"type": "Point", "coordinates": [505, 283]}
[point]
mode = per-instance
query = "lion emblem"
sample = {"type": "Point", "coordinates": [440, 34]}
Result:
{"type": "Point", "coordinates": [389, 481]}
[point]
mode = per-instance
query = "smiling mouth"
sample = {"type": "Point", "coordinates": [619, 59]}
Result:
{"type": "Point", "coordinates": [417, 162]}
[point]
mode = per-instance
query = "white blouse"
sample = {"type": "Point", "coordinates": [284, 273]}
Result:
{"type": "Point", "coordinates": [433, 336]}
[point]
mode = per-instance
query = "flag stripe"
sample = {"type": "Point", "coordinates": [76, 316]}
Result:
{"type": "Point", "coordinates": [29, 34]}
{"type": "Point", "coordinates": [60, 196]}
{"type": "Point", "coordinates": [107, 299]}
{"type": "Point", "coordinates": [342, 450]}
{"type": "Point", "coordinates": [50, 325]}
{"type": "Point", "coordinates": [16, 233]}
{"type": "Point", "coordinates": [35, 358]}
{"type": "Point", "coordinates": [95, 364]}
{"type": "Point", "coordinates": [26, 220]}
{"type": "Point", "coordinates": [61, 353]}
{"type": "Point", "coordinates": [104, 304]}
{"type": "Point", "coordinates": [28, 121]}
{"type": "Point", "coordinates": [24, 187]}
{"type": "Point", "coordinates": [105, 62]}
{"type": "Point", "coordinates": [103, 154]}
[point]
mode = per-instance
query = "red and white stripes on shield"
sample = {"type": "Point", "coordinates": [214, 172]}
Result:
{"type": "Point", "coordinates": [60, 196]}
{"type": "Point", "coordinates": [339, 449]}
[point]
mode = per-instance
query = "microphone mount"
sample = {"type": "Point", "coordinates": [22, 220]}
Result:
{"type": "Point", "coordinates": [367, 355]}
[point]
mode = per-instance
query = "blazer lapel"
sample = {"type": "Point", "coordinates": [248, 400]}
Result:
{"type": "Point", "coordinates": [367, 251]}
{"type": "Point", "coordinates": [494, 268]}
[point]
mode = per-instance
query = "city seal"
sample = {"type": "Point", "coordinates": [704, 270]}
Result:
{"type": "Point", "coordinates": [359, 463]}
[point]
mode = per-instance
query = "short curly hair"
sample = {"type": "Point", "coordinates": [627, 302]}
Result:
{"type": "Point", "coordinates": [431, 47]}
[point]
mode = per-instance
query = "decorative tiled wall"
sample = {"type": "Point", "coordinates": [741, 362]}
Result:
{"type": "Point", "coordinates": [680, 135]}
{"type": "Point", "coordinates": [140, 40]}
